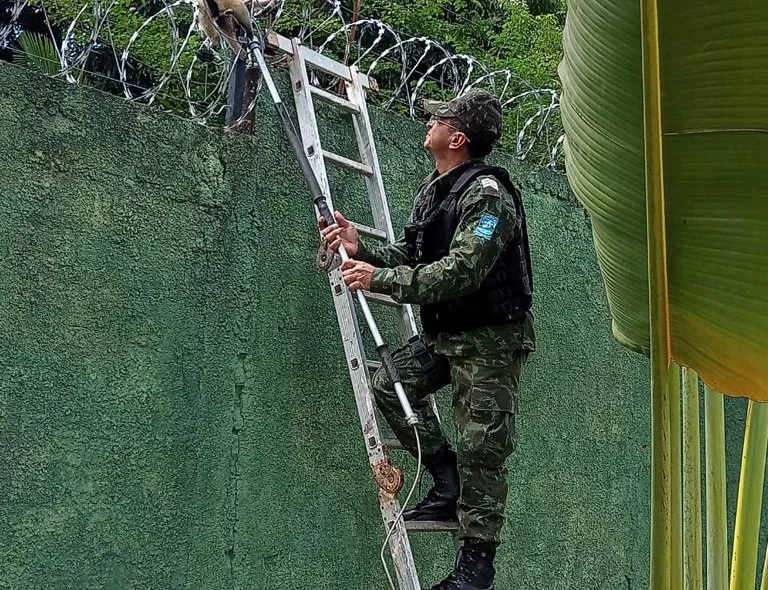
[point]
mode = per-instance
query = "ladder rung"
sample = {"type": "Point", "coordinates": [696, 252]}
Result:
{"type": "Point", "coordinates": [392, 443]}
{"type": "Point", "coordinates": [350, 165]}
{"type": "Point", "coordinates": [431, 526]}
{"type": "Point", "coordinates": [371, 231]}
{"type": "Point", "coordinates": [373, 365]}
{"type": "Point", "coordinates": [337, 101]}
{"type": "Point", "coordinates": [320, 61]}
{"type": "Point", "coordinates": [381, 299]}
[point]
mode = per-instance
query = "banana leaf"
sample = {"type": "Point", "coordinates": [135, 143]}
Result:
{"type": "Point", "coordinates": [713, 60]}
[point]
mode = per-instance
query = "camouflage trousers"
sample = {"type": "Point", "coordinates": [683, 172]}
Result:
{"type": "Point", "coordinates": [485, 391]}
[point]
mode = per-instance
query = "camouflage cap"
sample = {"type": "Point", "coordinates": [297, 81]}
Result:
{"type": "Point", "coordinates": [478, 111]}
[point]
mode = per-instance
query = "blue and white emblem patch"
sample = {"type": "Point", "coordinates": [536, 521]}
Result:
{"type": "Point", "coordinates": [486, 226]}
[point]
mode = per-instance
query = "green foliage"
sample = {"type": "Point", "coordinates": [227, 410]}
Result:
{"type": "Point", "coordinates": [498, 34]}
{"type": "Point", "coordinates": [39, 53]}
{"type": "Point", "coordinates": [525, 39]}
{"type": "Point", "coordinates": [151, 48]}
{"type": "Point", "coordinates": [556, 7]}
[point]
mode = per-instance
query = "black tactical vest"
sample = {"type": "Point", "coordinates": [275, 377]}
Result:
{"type": "Point", "coordinates": [506, 293]}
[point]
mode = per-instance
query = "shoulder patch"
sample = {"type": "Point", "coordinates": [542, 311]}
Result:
{"type": "Point", "coordinates": [489, 183]}
{"type": "Point", "coordinates": [486, 226]}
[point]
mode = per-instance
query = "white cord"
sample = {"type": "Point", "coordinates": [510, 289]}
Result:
{"type": "Point", "coordinates": [400, 514]}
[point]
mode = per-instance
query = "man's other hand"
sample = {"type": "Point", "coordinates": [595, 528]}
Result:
{"type": "Point", "coordinates": [342, 233]}
{"type": "Point", "coordinates": [357, 275]}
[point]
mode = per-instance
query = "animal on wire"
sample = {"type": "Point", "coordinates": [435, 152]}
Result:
{"type": "Point", "coordinates": [223, 18]}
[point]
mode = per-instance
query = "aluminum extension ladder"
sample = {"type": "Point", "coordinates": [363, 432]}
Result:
{"type": "Point", "coordinates": [388, 477]}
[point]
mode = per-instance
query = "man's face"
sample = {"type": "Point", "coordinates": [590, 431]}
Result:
{"type": "Point", "coordinates": [442, 136]}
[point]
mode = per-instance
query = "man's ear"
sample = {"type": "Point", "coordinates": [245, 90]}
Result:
{"type": "Point", "coordinates": [458, 141]}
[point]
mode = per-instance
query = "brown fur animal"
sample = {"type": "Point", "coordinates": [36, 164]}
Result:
{"type": "Point", "coordinates": [223, 18]}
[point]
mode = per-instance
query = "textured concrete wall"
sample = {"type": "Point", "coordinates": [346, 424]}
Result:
{"type": "Point", "coordinates": [175, 410]}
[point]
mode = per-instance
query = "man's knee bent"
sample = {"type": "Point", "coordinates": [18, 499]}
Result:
{"type": "Point", "coordinates": [487, 440]}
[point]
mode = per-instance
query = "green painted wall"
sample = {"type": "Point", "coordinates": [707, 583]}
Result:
{"type": "Point", "coordinates": [175, 410]}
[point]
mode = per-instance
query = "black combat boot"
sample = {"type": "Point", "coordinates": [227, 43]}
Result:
{"type": "Point", "coordinates": [474, 570]}
{"type": "Point", "coordinates": [440, 501]}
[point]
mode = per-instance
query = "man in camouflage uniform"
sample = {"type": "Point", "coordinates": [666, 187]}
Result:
{"type": "Point", "coordinates": [464, 259]}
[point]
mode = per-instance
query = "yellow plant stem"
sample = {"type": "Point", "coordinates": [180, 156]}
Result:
{"type": "Point", "coordinates": [676, 482]}
{"type": "Point", "coordinates": [692, 525]}
{"type": "Point", "coordinates": [663, 377]}
{"type": "Point", "coordinates": [663, 571]}
{"type": "Point", "coordinates": [717, 515]}
{"type": "Point", "coordinates": [746, 535]}
{"type": "Point", "coordinates": [764, 583]}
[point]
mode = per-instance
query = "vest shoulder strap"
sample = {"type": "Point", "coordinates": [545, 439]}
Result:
{"type": "Point", "coordinates": [469, 176]}
{"type": "Point", "coordinates": [472, 173]}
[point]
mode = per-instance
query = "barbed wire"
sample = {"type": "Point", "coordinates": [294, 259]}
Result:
{"type": "Point", "coordinates": [196, 72]}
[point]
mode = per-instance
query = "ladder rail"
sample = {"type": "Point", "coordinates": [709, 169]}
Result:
{"type": "Point", "coordinates": [400, 550]}
{"type": "Point", "coordinates": [313, 160]}
{"type": "Point", "coordinates": [375, 184]}
{"type": "Point", "coordinates": [378, 197]}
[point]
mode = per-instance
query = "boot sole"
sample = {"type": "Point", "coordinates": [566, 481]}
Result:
{"type": "Point", "coordinates": [434, 515]}
{"type": "Point", "coordinates": [491, 587]}
{"type": "Point", "coordinates": [433, 518]}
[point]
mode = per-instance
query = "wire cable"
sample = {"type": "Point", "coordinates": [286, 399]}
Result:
{"type": "Point", "coordinates": [402, 509]}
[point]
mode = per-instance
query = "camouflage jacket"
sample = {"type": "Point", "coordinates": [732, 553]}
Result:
{"type": "Point", "coordinates": [470, 258]}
